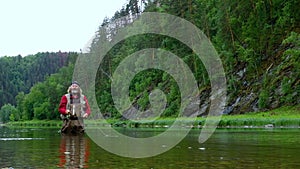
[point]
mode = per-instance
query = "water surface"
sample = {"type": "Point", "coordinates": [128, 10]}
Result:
{"type": "Point", "coordinates": [227, 148]}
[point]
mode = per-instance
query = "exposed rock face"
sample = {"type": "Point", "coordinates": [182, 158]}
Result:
{"type": "Point", "coordinates": [279, 82]}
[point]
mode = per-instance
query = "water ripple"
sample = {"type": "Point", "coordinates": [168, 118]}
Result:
{"type": "Point", "coordinates": [19, 139]}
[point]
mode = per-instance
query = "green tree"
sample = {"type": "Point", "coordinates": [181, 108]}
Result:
{"type": "Point", "coordinates": [8, 112]}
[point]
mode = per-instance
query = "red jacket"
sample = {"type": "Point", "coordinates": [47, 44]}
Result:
{"type": "Point", "coordinates": [63, 105]}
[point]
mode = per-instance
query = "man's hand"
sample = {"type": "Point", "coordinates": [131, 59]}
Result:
{"type": "Point", "coordinates": [85, 115]}
{"type": "Point", "coordinates": [68, 111]}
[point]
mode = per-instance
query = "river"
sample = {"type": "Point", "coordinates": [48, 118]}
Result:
{"type": "Point", "coordinates": [227, 148]}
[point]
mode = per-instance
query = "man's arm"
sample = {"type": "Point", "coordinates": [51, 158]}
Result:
{"type": "Point", "coordinates": [63, 105]}
{"type": "Point", "coordinates": [87, 107]}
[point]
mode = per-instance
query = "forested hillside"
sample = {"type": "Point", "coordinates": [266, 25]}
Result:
{"type": "Point", "coordinates": [258, 42]}
{"type": "Point", "coordinates": [19, 74]}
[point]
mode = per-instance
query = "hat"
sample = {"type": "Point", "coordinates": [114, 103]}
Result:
{"type": "Point", "coordinates": [75, 82]}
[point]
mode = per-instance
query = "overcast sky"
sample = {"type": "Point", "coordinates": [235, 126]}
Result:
{"type": "Point", "coordinates": [32, 26]}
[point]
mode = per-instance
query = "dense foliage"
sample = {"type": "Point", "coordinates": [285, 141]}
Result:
{"type": "Point", "coordinates": [23, 84]}
{"type": "Point", "coordinates": [258, 42]}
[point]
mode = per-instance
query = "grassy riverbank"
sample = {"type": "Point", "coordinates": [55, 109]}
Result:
{"type": "Point", "coordinates": [282, 117]}
{"type": "Point", "coordinates": [36, 123]}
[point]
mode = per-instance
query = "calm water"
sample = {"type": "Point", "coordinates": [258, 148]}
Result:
{"type": "Point", "coordinates": [227, 148]}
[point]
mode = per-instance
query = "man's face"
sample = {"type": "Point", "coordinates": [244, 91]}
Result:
{"type": "Point", "coordinates": [75, 89]}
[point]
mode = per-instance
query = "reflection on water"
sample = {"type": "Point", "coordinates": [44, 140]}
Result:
{"type": "Point", "coordinates": [74, 151]}
{"type": "Point", "coordinates": [227, 148]}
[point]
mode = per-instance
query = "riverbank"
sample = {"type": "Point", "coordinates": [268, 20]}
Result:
{"type": "Point", "coordinates": [35, 123]}
{"type": "Point", "coordinates": [285, 117]}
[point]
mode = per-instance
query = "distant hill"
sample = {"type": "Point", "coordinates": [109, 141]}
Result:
{"type": "Point", "coordinates": [19, 74]}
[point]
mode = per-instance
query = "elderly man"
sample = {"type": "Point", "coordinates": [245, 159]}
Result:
{"type": "Point", "coordinates": [73, 108]}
